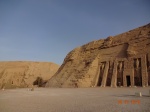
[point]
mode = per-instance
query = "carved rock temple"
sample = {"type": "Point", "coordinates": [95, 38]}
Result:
{"type": "Point", "coordinates": [121, 60]}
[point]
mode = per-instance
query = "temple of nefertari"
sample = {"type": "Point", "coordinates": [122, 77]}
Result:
{"type": "Point", "coordinates": [122, 60]}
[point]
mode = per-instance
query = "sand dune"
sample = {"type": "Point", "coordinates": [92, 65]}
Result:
{"type": "Point", "coordinates": [24, 73]}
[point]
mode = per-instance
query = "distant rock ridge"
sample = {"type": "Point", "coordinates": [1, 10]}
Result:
{"type": "Point", "coordinates": [121, 60]}
{"type": "Point", "coordinates": [23, 73]}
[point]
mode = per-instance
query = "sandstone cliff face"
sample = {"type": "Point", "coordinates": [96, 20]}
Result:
{"type": "Point", "coordinates": [108, 62]}
{"type": "Point", "coordinates": [23, 74]}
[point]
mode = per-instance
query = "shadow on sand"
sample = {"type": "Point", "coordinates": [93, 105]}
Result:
{"type": "Point", "coordinates": [133, 96]}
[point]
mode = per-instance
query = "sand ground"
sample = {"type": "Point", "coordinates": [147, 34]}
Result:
{"type": "Point", "coordinates": [75, 100]}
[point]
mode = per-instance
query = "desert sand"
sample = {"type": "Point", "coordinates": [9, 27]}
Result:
{"type": "Point", "coordinates": [75, 100]}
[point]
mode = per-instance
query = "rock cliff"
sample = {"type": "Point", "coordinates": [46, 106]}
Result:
{"type": "Point", "coordinates": [23, 73]}
{"type": "Point", "coordinates": [121, 60]}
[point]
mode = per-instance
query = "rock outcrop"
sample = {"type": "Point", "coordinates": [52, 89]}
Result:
{"type": "Point", "coordinates": [121, 60]}
{"type": "Point", "coordinates": [23, 73]}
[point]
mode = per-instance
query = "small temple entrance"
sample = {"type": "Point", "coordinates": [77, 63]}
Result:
{"type": "Point", "coordinates": [128, 80]}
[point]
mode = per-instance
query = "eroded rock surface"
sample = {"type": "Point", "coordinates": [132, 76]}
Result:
{"type": "Point", "coordinates": [23, 74]}
{"type": "Point", "coordinates": [121, 60]}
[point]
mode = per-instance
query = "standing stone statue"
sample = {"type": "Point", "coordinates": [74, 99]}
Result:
{"type": "Point", "coordinates": [137, 63]}
{"type": "Point", "coordinates": [120, 65]}
{"type": "Point", "coordinates": [102, 66]}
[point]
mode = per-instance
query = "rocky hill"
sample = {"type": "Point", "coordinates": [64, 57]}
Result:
{"type": "Point", "coordinates": [24, 73]}
{"type": "Point", "coordinates": [121, 60]}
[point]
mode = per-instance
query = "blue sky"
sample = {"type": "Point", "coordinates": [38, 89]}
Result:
{"type": "Point", "coordinates": [46, 30]}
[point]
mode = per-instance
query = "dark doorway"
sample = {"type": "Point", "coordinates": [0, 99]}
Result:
{"type": "Point", "coordinates": [99, 81]}
{"type": "Point", "coordinates": [128, 80]}
{"type": "Point", "coordinates": [108, 83]}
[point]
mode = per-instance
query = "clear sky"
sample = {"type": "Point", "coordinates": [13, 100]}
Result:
{"type": "Point", "coordinates": [46, 30]}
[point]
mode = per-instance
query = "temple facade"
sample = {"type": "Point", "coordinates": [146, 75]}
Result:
{"type": "Point", "coordinates": [132, 71]}
{"type": "Point", "coordinates": [121, 60]}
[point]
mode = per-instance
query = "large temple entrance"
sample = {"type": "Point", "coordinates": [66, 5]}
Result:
{"type": "Point", "coordinates": [128, 80]}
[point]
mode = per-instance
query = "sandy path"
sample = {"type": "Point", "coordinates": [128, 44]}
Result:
{"type": "Point", "coordinates": [75, 100]}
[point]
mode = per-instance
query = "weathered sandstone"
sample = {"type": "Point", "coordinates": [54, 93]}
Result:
{"type": "Point", "coordinates": [121, 60]}
{"type": "Point", "coordinates": [23, 73]}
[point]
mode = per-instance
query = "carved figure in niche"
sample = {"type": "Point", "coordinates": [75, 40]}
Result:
{"type": "Point", "coordinates": [117, 64]}
{"type": "Point", "coordinates": [102, 66]}
{"type": "Point", "coordinates": [120, 66]}
{"type": "Point", "coordinates": [137, 63]}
